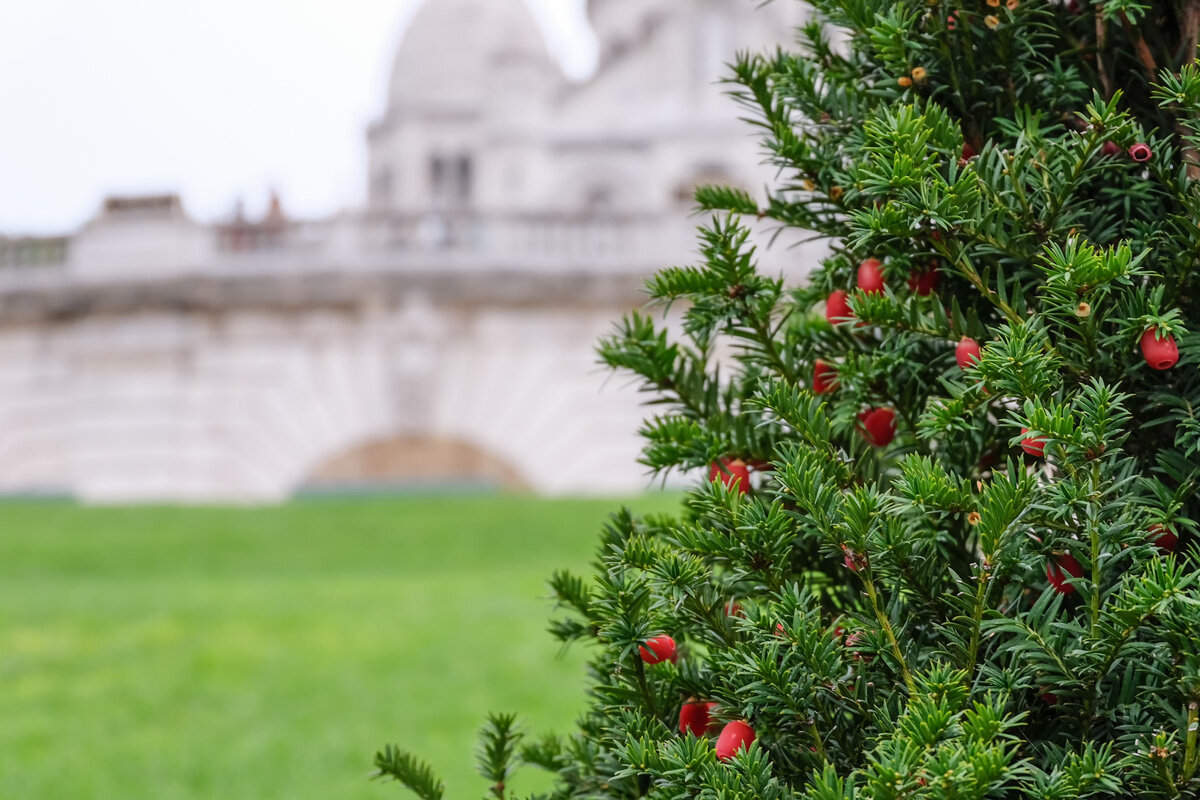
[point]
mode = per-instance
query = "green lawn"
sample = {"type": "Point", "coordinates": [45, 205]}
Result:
{"type": "Point", "coordinates": [174, 653]}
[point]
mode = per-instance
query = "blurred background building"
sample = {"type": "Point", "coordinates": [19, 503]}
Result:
{"type": "Point", "coordinates": [442, 332]}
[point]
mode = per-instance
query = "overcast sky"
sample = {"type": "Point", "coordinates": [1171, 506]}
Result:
{"type": "Point", "coordinates": [216, 99]}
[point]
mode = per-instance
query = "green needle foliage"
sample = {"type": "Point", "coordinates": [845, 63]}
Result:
{"type": "Point", "coordinates": [914, 575]}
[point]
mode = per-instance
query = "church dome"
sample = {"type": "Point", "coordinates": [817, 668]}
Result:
{"type": "Point", "coordinates": [455, 50]}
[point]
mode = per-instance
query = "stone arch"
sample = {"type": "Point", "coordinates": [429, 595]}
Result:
{"type": "Point", "coordinates": [424, 461]}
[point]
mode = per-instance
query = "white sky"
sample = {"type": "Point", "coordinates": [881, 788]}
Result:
{"type": "Point", "coordinates": [215, 99]}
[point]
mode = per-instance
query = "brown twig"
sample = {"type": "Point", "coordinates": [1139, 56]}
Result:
{"type": "Point", "coordinates": [1101, 43]}
{"type": "Point", "coordinates": [1190, 25]}
{"type": "Point", "coordinates": [1140, 46]}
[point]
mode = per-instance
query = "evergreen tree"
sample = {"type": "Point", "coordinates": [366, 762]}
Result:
{"type": "Point", "coordinates": [940, 543]}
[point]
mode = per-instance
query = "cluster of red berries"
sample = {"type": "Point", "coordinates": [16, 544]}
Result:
{"type": "Point", "coordinates": [1139, 152]}
{"type": "Point", "coordinates": [871, 281]}
{"type": "Point", "coordinates": [695, 716]}
{"type": "Point", "coordinates": [876, 425]}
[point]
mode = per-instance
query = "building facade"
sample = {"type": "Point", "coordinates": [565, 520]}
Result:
{"type": "Point", "coordinates": [442, 332]}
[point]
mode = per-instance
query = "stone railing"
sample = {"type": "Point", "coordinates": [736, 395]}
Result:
{"type": "Point", "coordinates": [430, 242]}
{"type": "Point", "coordinates": [33, 251]}
{"type": "Point", "coordinates": [532, 241]}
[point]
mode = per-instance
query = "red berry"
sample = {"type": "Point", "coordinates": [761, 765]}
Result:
{"type": "Point", "coordinates": [824, 377]}
{"type": "Point", "coordinates": [1160, 353]}
{"type": "Point", "coordinates": [967, 352]}
{"type": "Point", "coordinates": [1110, 149]}
{"type": "Point", "coordinates": [878, 426]}
{"type": "Point", "coordinates": [851, 642]}
{"type": "Point", "coordinates": [735, 736]}
{"type": "Point", "coordinates": [1163, 538]}
{"type": "Point", "coordinates": [1057, 569]}
{"type": "Point", "coordinates": [1034, 445]}
{"type": "Point", "coordinates": [695, 717]}
{"type": "Point", "coordinates": [1050, 698]}
{"type": "Point", "coordinates": [850, 562]}
{"type": "Point", "coordinates": [836, 308]}
{"type": "Point", "coordinates": [658, 649]}
{"type": "Point", "coordinates": [951, 22]}
{"type": "Point", "coordinates": [923, 283]}
{"type": "Point", "coordinates": [734, 609]}
{"type": "Point", "coordinates": [968, 152]}
{"type": "Point", "coordinates": [870, 276]}
{"type": "Point", "coordinates": [1140, 152]}
{"type": "Point", "coordinates": [732, 472]}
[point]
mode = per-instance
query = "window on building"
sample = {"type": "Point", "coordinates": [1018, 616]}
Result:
{"type": "Point", "coordinates": [438, 188]}
{"type": "Point", "coordinates": [451, 180]}
{"type": "Point", "coordinates": [463, 177]}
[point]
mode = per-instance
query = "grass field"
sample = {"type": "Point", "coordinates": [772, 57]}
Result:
{"type": "Point", "coordinates": [174, 654]}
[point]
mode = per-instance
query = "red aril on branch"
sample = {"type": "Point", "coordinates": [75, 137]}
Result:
{"type": "Point", "coordinates": [735, 736]}
{"type": "Point", "coordinates": [1159, 353]}
{"type": "Point", "coordinates": [658, 649]}
{"type": "Point", "coordinates": [870, 276]}
{"type": "Point", "coordinates": [732, 472]}
{"type": "Point", "coordinates": [824, 377]}
{"type": "Point", "coordinates": [1059, 567]}
{"type": "Point", "coordinates": [853, 561]}
{"type": "Point", "coordinates": [968, 152]}
{"type": "Point", "coordinates": [1034, 445]}
{"type": "Point", "coordinates": [923, 283]}
{"type": "Point", "coordinates": [695, 717]}
{"type": "Point", "coordinates": [878, 425]}
{"type": "Point", "coordinates": [836, 308]}
{"type": "Point", "coordinates": [1163, 537]}
{"type": "Point", "coordinates": [1110, 149]}
{"type": "Point", "coordinates": [852, 641]}
{"type": "Point", "coordinates": [966, 353]}
{"type": "Point", "coordinates": [1140, 152]}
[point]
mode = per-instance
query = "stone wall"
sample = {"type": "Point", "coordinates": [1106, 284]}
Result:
{"type": "Point", "coordinates": [247, 390]}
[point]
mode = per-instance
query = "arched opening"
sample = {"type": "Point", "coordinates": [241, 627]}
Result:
{"type": "Point", "coordinates": [411, 463]}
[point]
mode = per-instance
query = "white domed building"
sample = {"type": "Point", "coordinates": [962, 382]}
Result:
{"type": "Point", "coordinates": [480, 121]}
{"type": "Point", "coordinates": [443, 332]}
